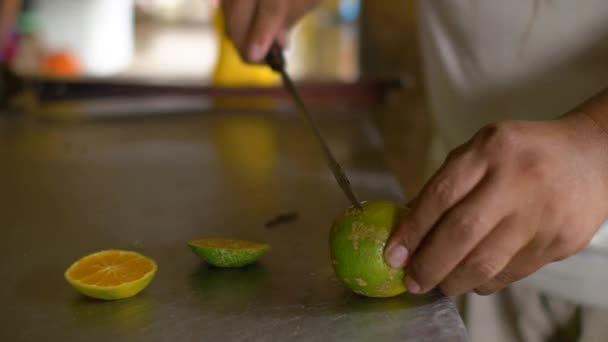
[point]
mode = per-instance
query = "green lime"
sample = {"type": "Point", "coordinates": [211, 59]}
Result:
{"type": "Point", "coordinates": [357, 241]}
{"type": "Point", "coordinates": [227, 252]}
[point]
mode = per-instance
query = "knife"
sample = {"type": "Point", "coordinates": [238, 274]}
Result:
{"type": "Point", "coordinates": [276, 61]}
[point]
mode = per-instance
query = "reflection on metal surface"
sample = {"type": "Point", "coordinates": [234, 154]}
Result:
{"type": "Point", "coordinates": [39, 143]}
{"type": "Point", "coordinates": [246, 145]}
{"type": "Point", "coordinates": [125, 316]}
{"type": "Point", "coordinates": [228, 289]}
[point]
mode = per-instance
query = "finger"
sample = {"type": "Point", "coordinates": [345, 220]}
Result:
{"type": "Point", "coordinates": [457, 176]}
{"type": "Point", "coordinates": [489, 258]}
{"type": "Point", "coordinates": [283, 38]}
{"type": "Point", "coordinates": [458, 233]}
{"type": "Point", "coordinates": [411, 202]}
{"type": "Point", "coordinates": [269, 20]}
{"type": "Point", "coordinates": [227, 7]}
{"type": "Point", "coordinates": [508, 276]}
{"type": "Point", "coordinates": [238, 19]}
{"type": "Point", "coordinates": [526, 262]}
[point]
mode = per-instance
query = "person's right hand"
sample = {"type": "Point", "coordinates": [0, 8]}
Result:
{"type": "Point", "coordinates": [254, 24]}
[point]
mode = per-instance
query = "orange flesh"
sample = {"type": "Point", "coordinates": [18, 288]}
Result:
{"type": "Point", "coordinates": [110, 268]}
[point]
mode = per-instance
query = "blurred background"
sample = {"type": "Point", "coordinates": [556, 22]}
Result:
{"type": "Point", "coordinates": [90, 59]}
{"type": "Point", "coordinates": [173, 40]}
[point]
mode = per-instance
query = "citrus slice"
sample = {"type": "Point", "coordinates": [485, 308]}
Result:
{"type": "Point", "coordinates": [227, 252]}
{"type": "Point", "coordinates": [357, 241]}
{"type": "Point", "coordinates": [111, 274]}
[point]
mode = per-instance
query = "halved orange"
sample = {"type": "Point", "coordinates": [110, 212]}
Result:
{"type": "Point", "coordinates": [111, 274]}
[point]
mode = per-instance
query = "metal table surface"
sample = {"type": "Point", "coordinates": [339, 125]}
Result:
{"type": "Point", "coordinates": [152, 184]}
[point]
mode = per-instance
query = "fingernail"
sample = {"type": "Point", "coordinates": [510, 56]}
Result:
{"type": "Point", "coordinates": [396, 256]}
{"type": "Point", "coordinates": [256, 51]}
{"type": "Point", "coordinates": [412, 285]}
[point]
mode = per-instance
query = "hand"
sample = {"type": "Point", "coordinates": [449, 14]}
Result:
{"type": "Point", "coordinates": [254, 24]}
{"type": "Point", "coordinates": [515, 197]}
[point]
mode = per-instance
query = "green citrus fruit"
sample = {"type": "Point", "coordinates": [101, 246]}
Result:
{"type": "Point", "coordinates": [228, 253]}
{"type": "Point", "coordinates": [357, 241]}
{"type": "Point", "coordinates": [112, 274]}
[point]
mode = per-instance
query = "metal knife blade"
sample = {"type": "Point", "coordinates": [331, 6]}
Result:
{"type": "Point", "coordinates": [276, 61]}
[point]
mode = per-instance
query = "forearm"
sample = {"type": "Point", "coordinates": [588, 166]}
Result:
{"type": "Point", "coordinates": [591, 120]}
{"type": "Point", "coordinates": [596, 109]}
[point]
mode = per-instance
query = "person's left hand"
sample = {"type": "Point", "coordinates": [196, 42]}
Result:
{"type": "Point", "coordinates": [517, 196]}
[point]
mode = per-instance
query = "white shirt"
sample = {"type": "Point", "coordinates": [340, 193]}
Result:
{"type": "Point", "coordinates": [490, 60]}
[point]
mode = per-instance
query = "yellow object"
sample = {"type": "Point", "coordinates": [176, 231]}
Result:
{"type": "Point", "coordinates": [357, 241]}
{"type": "Point", "coordinates": [231, 70]}
{"type": "Point", "coordinates": [227, 252]}
{"type": "Point", "coordinates": [111, 274]}
{"type": "Point", "coordinates": [247, 145]}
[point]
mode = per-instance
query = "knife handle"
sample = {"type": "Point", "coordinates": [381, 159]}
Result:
{"type": "Point", "coordinates": [274, 58]}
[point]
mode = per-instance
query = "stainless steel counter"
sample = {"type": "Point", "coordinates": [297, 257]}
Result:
{"type": "Point", "coordinates": [151, 184]}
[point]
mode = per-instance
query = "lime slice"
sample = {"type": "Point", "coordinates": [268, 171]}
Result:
{"type": "Point", "coordinates": [227, 252]}
{"type": "Point", "coordinates": [112, 274]}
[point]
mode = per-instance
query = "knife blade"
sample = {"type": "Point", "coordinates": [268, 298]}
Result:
{"type": "Point", "coordinates": [276, 61]}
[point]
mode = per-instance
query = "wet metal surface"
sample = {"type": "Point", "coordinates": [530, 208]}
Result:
{"type": "Point", "coordinates": [71, 188]}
